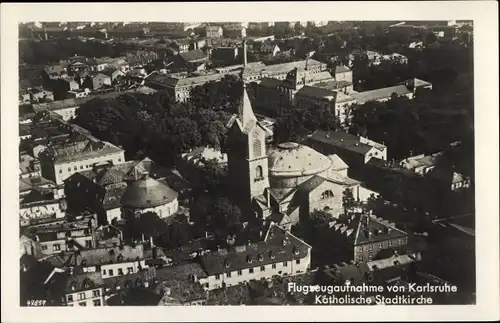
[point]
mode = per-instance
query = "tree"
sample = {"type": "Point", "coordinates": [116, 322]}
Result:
{"type": "Point", "coordinates": [148, 224]}
{"type": "Point", "coordinates": [348, 201]}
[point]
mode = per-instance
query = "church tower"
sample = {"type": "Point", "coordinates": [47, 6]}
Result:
{"type": "Point", "coordinates": [247, 156]}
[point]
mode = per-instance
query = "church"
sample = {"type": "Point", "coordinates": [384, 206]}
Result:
{"type": "Point", "coordinates": [283, 183]}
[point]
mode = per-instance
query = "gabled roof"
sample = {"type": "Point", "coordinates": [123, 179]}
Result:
{"type": "Point", "coordinates": [365, 228]}
{"type": "Point", "coordinates": [279, 245]}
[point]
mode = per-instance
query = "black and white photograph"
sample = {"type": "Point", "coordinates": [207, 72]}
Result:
{"type": "Point", "coordinates": [243, 162]}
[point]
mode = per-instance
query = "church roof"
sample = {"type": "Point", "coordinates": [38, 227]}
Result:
{"type": "Point", "coordinates": [245, 118]}
{"type": "Point", "coordinates": [338, 163]}
{"type": "Point", "coordinates": [292, 159]}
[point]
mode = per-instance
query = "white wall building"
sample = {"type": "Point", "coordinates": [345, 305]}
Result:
{"type": "Point", "coordinates": [280, 254]}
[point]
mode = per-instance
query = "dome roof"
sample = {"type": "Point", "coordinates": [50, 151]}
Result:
{"type": "Point", "coordinates": [291, 159]}
{"type": "Point", "coordinates": [146, 192]}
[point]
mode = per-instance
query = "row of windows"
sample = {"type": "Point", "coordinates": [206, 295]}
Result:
{"type": "Point", "coordinates": [96, 302]}
{"type": "Point", "coordinates": [81, 296]}
{"type": "Point", "coordinates": [110, 272]}
{"type": "Point", "coordinates": [57, 246]}
{"type": "Point", "coordinates": [370, 246]}
{"type": "Point", "coordinates": [75, 168]}
{"type": "Point", "coordinates": [251, 270]}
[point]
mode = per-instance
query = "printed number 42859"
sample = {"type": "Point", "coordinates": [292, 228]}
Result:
{"type": "Point", "coordinates": [36, 302]}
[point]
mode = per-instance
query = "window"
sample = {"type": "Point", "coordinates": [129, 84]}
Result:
{"type": "Point", "coordinates": [297, 261]}
{"type": "Point", "coordinates": [60, 171]}
{"type": "Point", "coordinates": [240, 273]}
{"type": "Point", "coordinates": [111, 272]}
{"type": "Point", "coordinates": [370, 247]}
{"type": "Point", "coordinates": [119, 159]}
{"type": "Point", "coordinates": [250, 271]}
{"type": "Point", "coordinates": [96, 293]}
{"type": "Point", "coordinates": [274, 266]}
{"type": "Point", "coordinates": [285, 264]}
{"type": "Point", "coordinates": [81, 296]}
{"type": "Point", "coordinates": [70, 298]}
{"type": "Point", "coordinates": [82, 304]}
{"type": "Point", "coordinates": [44, 247]}
{"type": "Point", "coordinates": [262, 268]}
{"type": "Point", "coordinates": [81, 166]}
{"type": "Point", "coordinates": [130, 270]}
{"type": "Point", "coordinates": [69, 169]}
{"type": "Point", "coordinates": [217, 277]}
{"type": "Point", "coordinates": [228, 275]}
{"type": "Point", "coordinates": [88, 244]}
{"type": "Point", "coordinates": [97, 302]}
{"type": "Point", "coordinates": [75, 168]}
{"type": "Point", "coordinates": [104, 272]}
{"type": "Point", "coordinates": [380, 245]}
{"type": "Point", "coordinates": [120, 271]}
{"type": "Point", "coordinates": [326, 195]}
{"type": "Point", "coordinates": [259, 173]}
{"type": "Point", "coordinates": [390, 243]}
{"type": "Point", "coordinates": [57, 247]}
{"type": "Point", "coordinates": [399, 241]}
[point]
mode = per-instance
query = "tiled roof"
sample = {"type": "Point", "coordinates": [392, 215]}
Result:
{"type": "Point", "coordinates": [85, 154]}
{"type": "Point", "coordinates": [341, 140]}
{"type": "Point", "coordinates": [181, 281]}
{"type": "Point", "coordinates": [279, 68]}
{"type": "Point", "coordinates": [278, 246]}
{"type": "Point", "coordinates": [123, 282]}
{"type": "Point", "coordinates": [378, 94]}
{"type": "Point", "coordinates": [143, 192]}
{"type": "Point", "coordinates": [91, 257]}
{"type": "Point", "coordinates": [83, 282]}
{"type": "Point", "coordinates": [316, 92]}
{"type": "Point", "coordinates": [193, 55]}
{"type": "Point", "coordinates": [364, 228]}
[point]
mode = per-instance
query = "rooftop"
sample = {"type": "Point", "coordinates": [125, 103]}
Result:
{"type": "Point", "coordinates": [83, 281]}
{"type": "Point", "coordinates": [382, 93]}
{"type": "Point", "coordinates": [341, 140]}
{"type": "Point", "coordinates": [143, 191]}
{"type": "Point", "coordinates": [363, 228]}
{"type": "Point", "coordinates": [281, 68]}
{"type": "Point", "coordinates": [182, 281]}
{"type": "Point", "coordinates": [193, 55]}
{"type": "Point", "coordinates": [292, 159]}
{"type": "Point", "coordinates": [278, 246]}
{"type": "Point", "coordinates": [317, 93]}
{"type": "Point", "coordinates": [198, 155]}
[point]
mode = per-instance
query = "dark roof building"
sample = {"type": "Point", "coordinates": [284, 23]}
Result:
{"type": "Point", "coordinates": [145, 192]}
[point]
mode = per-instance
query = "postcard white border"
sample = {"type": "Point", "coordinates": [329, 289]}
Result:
{"type": "Point", "coordinates": [485, 16]}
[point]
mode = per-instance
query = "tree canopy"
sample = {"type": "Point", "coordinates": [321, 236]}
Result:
{"type": "Point", "coordinates": [156, 126]}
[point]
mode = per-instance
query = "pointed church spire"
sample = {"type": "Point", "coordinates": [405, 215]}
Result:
{"type": "Point", "coordinates": [245, 112]}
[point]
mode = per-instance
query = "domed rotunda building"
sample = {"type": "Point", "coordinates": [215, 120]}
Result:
{"type": "Point", "coordinates": [144, 194]}
{"type": "Point", "coordinates": [286, 182]}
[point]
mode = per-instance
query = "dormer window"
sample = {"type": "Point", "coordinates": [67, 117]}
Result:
{"type": "Point", "coordinates": [261, 258]}
{"type": "Point", "coordinates": [249, 260]}
{"type": "Point", "coordinates": [226, 264]}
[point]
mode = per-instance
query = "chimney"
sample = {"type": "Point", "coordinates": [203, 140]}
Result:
{"type": "Point", "coordinates": [245, 53]}
{"type": "Point", "coordinates": [151, 242]}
